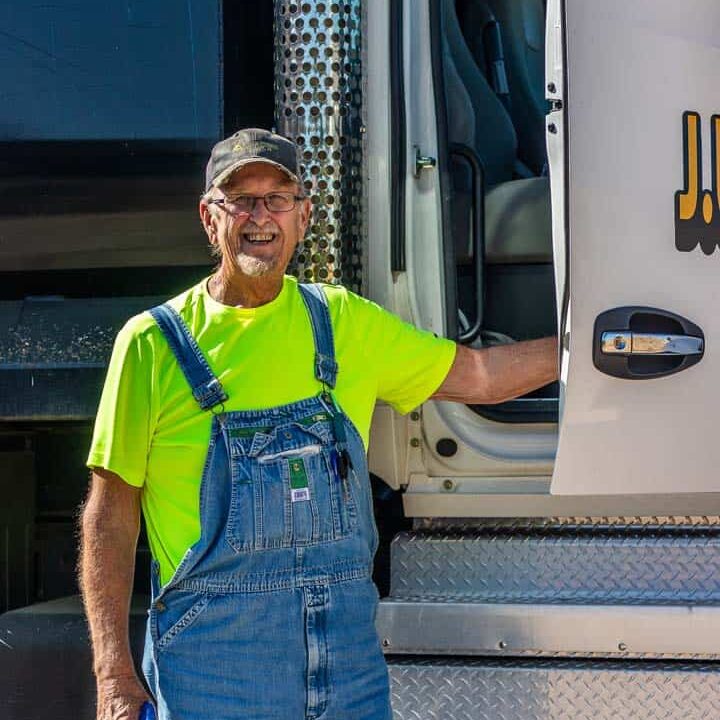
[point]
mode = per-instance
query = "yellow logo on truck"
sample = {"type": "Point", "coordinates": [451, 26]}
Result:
{"type": "Point", "coordinates": [697, 211]}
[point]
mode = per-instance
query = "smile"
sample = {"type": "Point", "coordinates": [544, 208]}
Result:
{"type": "Point", "coordinates": [259, 238]}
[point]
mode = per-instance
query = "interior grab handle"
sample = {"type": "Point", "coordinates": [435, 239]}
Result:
{"type": "Point", "coordinates": [633, 343]}
{"type": "Point", "coordinates": [478, 236]}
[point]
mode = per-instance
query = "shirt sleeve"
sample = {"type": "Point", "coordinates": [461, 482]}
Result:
{"type": "Point", "coordinates": [124, 421]}
{"type": "Point", "coordinates": [410, 364]}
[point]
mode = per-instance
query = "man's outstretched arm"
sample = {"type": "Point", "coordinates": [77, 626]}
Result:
{"type": "Point", "coordinates": [495, 374]}
{"type": "Point", "coordinates": [109, 532]}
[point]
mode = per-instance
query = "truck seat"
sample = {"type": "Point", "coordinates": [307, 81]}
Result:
{"type": "Point", "coordinates": [475, 113]}
{"type": "Point", "coordinates": [519, 292]}
{"type": "Point", "coordinates": [518, 223]}
{"type": "Point", "coordinates": [521, 25]}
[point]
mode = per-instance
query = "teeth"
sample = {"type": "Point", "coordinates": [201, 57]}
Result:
{"type": "Point", "coordinates": [260, 237]}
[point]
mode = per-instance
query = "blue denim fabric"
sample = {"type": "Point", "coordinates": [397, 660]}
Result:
{"type": "Point", "coordinates": [206, 388]}
{"type": "Point", "coordinates": [271, 614]}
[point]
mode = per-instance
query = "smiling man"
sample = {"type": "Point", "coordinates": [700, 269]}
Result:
{"type": "Point", "coordinates": [236, 417]}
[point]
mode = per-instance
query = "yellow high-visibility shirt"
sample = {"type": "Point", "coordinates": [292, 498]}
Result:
{"type": "Point", "coordinates": [150, 431]}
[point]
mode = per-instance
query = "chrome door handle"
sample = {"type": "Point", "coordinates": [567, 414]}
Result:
{"type": "Point", "coordinates": [623, 342]}
{"type": "Point", "coordinates": [643, 343]}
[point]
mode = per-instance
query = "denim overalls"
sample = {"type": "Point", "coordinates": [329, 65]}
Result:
{"type": "Point", "coordinates": [271, 613]}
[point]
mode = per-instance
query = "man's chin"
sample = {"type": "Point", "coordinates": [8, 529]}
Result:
{"type": "Point", "coordinates": [254, 267]}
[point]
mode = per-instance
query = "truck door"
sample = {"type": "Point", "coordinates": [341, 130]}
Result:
{"type": "Point", "coordinates": [634, 152]}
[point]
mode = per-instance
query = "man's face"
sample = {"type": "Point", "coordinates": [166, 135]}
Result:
{"type": "Point", "coordinates": [262, 242]}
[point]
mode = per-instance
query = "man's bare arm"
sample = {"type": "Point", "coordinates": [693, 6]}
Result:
{"type": "Point", "coordinates": [495, 374]}
{"type": "Point", "coordinates": [109, 532]}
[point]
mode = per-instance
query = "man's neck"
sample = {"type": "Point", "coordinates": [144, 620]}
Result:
{"type": "Point", "coordinates": [244, 291]}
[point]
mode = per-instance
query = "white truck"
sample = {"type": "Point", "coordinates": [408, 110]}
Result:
{"type": "Point", "coordinates": [493, 170]}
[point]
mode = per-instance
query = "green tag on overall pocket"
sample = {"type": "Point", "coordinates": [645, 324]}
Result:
{"type": "Point", "coordinates": [312, 419]}
{"type": "Point", "coordinates": [249, 431]}
{"type": "Point", "coordinates": [299, 489]}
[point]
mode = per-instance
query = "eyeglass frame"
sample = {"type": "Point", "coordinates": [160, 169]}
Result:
{"type": "Point", "coordinates": [223, 201]}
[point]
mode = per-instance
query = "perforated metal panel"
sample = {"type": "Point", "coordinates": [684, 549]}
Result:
{"type": "Point", "coordinates": [318, 103]}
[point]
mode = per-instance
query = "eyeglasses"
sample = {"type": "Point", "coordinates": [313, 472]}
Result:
{"type": "Point", "coordinates": [245, 204]}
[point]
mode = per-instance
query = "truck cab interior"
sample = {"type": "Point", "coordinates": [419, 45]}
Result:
{"type": "Point", "coordinates": [491, 119]}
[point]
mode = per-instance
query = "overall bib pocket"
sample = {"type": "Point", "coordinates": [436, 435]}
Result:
{"type": "Point", "coordinates": [289, 493]}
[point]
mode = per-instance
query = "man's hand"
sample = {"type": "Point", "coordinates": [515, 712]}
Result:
{"type": "Point", "coordinates": [495, 374]}
{"type": "Point", "coordinates": [120, 698]}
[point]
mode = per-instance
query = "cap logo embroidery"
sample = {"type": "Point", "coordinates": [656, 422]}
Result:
{"type": "Point", "coordinates": [259, 147]}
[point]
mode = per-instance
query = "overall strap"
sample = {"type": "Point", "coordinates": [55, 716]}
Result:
{"type": "Point", "coordinates": [325, 366]}
{"type": "Point", "coordinates": [206, 388]}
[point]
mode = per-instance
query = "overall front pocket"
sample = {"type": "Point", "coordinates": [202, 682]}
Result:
{"type": "Point", "coordinates": [287, 498]}
{"type": "Point", "coordinates": [174, 614]}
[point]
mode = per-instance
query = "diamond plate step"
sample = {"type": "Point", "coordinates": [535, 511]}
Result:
{"type": "Point", "coordinates": [538, 565]}
{"type": "Point", "coordinates": [553, 690]}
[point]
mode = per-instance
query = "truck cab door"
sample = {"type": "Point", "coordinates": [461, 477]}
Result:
{"type": "Point", "coordinates": [634, 149]}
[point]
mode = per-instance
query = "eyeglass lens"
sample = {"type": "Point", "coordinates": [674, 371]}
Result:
{"type": "Point", "coordinates": [274, 202]}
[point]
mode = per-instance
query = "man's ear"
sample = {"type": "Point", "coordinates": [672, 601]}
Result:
{"type": "Point", "coordinates": [305, 214]}
{"type": "Point", "coordinates": [208, 220]}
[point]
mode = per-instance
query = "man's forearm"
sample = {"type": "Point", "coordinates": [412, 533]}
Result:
{"type": "Point", "coordinates": [501, 372]}
{"type": "Point", "coordinates": [110, 526]}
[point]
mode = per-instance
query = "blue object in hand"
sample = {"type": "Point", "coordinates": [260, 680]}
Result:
{"type": "Point", "coordinates": [147, 711]}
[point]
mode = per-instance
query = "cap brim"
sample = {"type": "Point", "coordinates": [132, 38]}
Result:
{"type": "Point", "coordinates": [225, 174]}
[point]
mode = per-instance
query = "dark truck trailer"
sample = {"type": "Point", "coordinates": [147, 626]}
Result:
{"type": "Point", "coordinates": [108, 115]}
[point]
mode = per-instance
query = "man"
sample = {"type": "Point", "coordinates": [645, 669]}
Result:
{"type": "Point", "coordinates": [237, 417]}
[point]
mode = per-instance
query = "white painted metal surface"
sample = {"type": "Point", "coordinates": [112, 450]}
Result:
{"type": "Point", "coordinates": [634, 68]}
{"type": "Point", "coordinates": [423, 226]}
{"type": "Point", "coordinates": [498, 449]}
{"type": "Point", "coordinates": [417, 295]}
{"type": "Point", "coordinates": [376, 108]}
{"type": "Point", "coordinates": [555, 127]}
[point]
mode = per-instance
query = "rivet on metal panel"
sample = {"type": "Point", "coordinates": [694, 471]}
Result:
{"type": "Point", "coordinates": [415, 416]}
{"type": "Point", "coordinates": [552, 129]}
{"type": "Point", "coordinates": [414, 442]}
{"type": "Point", "coordinates": [502, 644]}
{"type": "Point", "coordinates": [448, 484]}
{"type": "Point", "coordinates": [622, 647]}
{"type": "Point", "coordinates": [386, 642]}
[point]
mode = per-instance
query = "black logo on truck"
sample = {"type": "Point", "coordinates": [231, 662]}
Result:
{"type": "Point", "coordinates": [697, 211]}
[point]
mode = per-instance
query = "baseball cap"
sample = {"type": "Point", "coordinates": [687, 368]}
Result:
{"type": "Point", "coordinates": [250, 146]}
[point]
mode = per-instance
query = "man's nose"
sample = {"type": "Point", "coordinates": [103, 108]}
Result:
{"type": "Point", "coordinates": [259, 213]}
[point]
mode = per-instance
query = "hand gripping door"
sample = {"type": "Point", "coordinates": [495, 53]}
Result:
{"type": "Point", "coordinates": [640, 372]}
